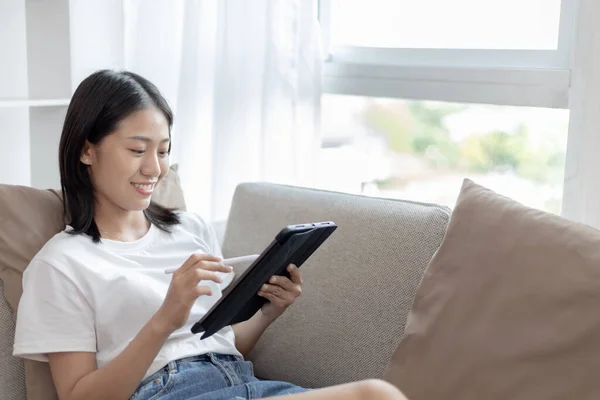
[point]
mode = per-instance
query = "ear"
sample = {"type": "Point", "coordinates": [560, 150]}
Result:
{"type": "Point", "coordinates": [87, 153]}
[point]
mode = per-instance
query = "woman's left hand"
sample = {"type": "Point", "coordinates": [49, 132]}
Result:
{"type": "Point", "coordinates": [281, 292]}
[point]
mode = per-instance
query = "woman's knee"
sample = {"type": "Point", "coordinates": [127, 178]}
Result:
{"type": "Point", "coordinates": [379, 389]}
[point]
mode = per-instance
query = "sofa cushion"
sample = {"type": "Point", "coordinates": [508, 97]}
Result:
{"type": "Point", "coordinates": [28, 219]}
{"type": "Point", "coordinates": [12, 374]}
{"type": "Point", "coordinates": [358, 286]}
{"type": "Point", "coordinates": [168, 193]}
{"type": "Point", "coordinates": [508, 308]}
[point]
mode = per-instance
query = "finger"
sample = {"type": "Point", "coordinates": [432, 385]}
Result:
{"type": "Point", "coordinates": [202, 291]}
{"type": "Point", "coordinates": [213, 266]}
{"type": "Point", "coordinates": [286, 284]}
{"type": "Point", "coordinates": [273, 299]}
{"type": "Point", "coordinates": [287, 296]}
{"type": "Point", "coordinates": [295, 274]}
{"type": "Point", "coordinates": [278, 301]}
{"type": "Point", "coordinates": [195, 275]}
{"type": "Point", "coordinates": [196, 258]}
{"type": "Point", "coordinates": [267, 296]}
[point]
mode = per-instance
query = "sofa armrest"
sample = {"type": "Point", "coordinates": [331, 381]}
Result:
{"type": "Point", "coordinates": [220, 227]}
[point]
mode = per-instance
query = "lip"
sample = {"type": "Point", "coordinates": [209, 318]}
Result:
{"type": "Point", "coordinates": [142, 191]}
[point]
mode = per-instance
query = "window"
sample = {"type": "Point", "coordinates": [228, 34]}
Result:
{"type": "Point", "coordinates": [510, 52]}
{"type": "Point", "coordinates": [467, 33]}
{"type": "Point", "coordinates": [443, 24]}
{"type": "Point", "coordinates": [422, 150]}
{"type": "Point", "coordinates": [418, 95]}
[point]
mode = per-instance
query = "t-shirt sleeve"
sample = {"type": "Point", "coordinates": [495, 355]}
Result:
{"type": "Point", "coordinates": [53, 315]}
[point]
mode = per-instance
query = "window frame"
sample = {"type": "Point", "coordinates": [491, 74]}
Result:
{"type": "Point", "coordinates": [538, 78]}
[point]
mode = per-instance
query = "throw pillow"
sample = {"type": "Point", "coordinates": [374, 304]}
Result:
{"type": "Point", "coordinates": [507, 309]}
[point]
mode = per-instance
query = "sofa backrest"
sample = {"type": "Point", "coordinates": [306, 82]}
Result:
{"type": "Point", "coordinates": [12, 372]}
{"type": "Point", "coordinates": [358, 286]}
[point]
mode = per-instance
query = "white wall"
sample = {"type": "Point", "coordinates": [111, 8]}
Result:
{"type": "Point", "coordinates": [48, 49]}
{"type": "Point", "coordinates": [14, 146]}
{"type": "Point", "coordinates": [45, 128]}
{"type": "Point", "coordinates": [13, 57]}
{"type": "Point", "coordinates": [14, 121]}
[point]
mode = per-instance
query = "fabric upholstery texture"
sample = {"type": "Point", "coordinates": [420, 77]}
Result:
{"type": "Point", "coordinates": [508, 308]}
{"type": "Point", "coordinates": [358, 286]}
{"type": "Point", "coordinates": [12, 372]}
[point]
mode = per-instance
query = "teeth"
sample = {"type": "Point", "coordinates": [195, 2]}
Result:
{"type": "Point", "coordinates": [146, 188]}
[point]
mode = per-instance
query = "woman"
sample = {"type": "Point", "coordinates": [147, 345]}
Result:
{"type": "Point", "coordinates": [96, 302]}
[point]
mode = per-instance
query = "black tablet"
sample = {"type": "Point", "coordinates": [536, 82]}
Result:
{"type": "Point", "coordinates": [240, 301]}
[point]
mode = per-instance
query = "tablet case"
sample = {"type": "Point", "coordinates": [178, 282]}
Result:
{"type": "Point", "coordinates": [294, 244]}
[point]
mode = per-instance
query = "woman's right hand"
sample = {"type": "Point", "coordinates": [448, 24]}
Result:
{"type": "Point", "coordinates": [184, 289]}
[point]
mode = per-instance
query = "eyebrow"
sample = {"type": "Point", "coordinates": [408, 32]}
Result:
{"type": "Point", "coordinates": [147, 140]}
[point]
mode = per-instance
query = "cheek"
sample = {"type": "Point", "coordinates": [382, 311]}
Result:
{"type": "Point", "coordinates": [128, 166]}
{"type": "Point", "coordinates": [164, 167]}
{"type": "Point", "coordinates": [113, 169]}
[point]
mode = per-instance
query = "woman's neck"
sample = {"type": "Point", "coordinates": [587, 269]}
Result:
{"type": "Point", "coordinates": [125, 226]}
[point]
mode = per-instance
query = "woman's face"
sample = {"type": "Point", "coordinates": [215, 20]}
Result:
{"type": "Point", "coordinates": [128, 163]}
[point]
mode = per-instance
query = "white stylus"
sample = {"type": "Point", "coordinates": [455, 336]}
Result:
{"type": "Point", "coordinates": [228, 261]}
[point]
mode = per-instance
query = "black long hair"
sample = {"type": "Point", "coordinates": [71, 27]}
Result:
{"type": "Point", "coordinates": [100, 102]}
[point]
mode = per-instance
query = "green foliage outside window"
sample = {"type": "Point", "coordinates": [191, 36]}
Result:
{"type": "Point", "coordinates": [418, 129]}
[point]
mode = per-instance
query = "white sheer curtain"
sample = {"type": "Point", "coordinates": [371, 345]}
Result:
{"type": "Point", "coordinates": [581, 200]}
{"type": "Point", "coordinates": [244, 80]}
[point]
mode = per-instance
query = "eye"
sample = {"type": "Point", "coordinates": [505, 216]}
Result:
{"type": "Point", "coordinates": [139, 152]}
{"type": "Point", "coordinates": [163, 153]}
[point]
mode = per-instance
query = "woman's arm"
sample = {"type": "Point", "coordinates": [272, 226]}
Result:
{"type": "Point", "coordinates": [76, 376]}
{"type": "Point", "coordinates": [248, 333]}
{"type": "Point", "coordinates": [281, 293]}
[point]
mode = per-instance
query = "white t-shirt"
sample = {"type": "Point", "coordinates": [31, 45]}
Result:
{"type": "Point", "coordinates": [83, 296]}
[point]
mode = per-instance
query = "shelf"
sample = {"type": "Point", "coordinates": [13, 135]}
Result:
{"type": "Point", "coordinates": [33, 103]}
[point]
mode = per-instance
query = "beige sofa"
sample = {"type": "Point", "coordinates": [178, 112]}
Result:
{"type": "Point", "coordinates": [358, 287]}
{"type": "Point", "coordinates": [492, 300]}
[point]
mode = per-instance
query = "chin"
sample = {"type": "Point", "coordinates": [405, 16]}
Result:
{"type": "Point", "coordinates": [145, 205]}
{"type": "Point", "coordinates": [139, 205]}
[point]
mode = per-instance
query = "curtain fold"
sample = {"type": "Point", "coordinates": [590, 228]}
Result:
{"type": "Point", "coordinates": [581, 201]}
{"type": "Point", "coordinates": [244, 80]}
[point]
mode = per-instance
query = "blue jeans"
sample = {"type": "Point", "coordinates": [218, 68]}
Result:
{"type": "Point", "coordinates": [210, 377]}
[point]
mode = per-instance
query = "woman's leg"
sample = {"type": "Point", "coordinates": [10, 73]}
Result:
{"type": "Point", "coordinates": [363, 390]}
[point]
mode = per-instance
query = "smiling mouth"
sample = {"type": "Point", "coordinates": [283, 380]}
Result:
{"type": "Point", "coordinates": [144, 187]}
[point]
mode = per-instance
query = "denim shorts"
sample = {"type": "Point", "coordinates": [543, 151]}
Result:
{"type": "Point", "coordinates": [210, 377]}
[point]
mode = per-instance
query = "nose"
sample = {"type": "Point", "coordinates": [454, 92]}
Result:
{"type": "Point", "coordinates": [151, 166]}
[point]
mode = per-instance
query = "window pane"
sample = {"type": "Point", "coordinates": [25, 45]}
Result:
{"type": "Point", "coordinates": [422, 150]}
{"type": "Point", "coordinates": [446, 24]}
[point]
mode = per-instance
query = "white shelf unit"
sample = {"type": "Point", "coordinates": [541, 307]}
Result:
{"type": "Point", "coordinates": [47, 48]}
{"type": "Point", "coordinates": [33, 103]}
